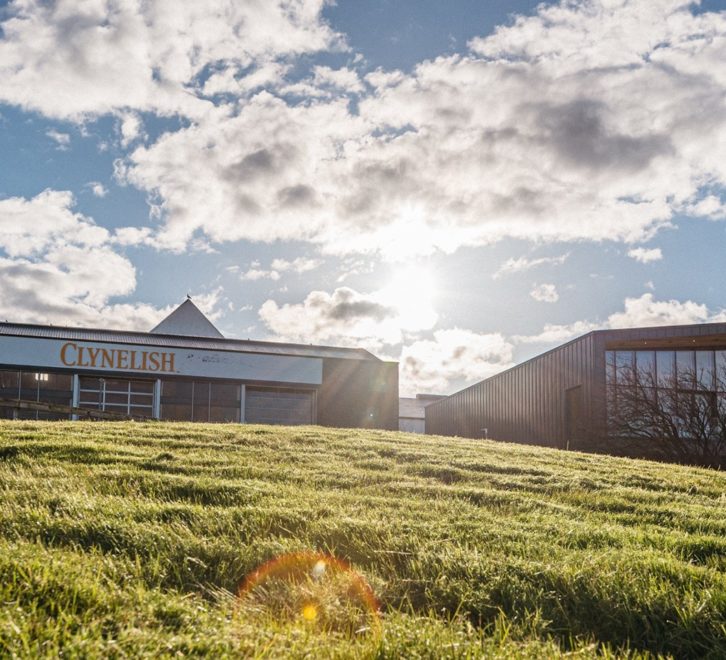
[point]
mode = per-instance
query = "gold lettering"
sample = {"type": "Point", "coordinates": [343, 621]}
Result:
{"type": "Point", "coordinates": [122, 359]}
{"type": "Point", "coordinates": [93, 353]}
{"type": "Point", "coordinates": [106, 358]}
{"type": "Point", "coordinates": [153, 361]}
{"type": "Point", "coordinates": [167, 362]}
{"type": "Point", "coordinates": [73, 355]}
{"type": "Point", "coordinates": [80, 362]}
{"type": "Point", "coordinates": [63, 355]}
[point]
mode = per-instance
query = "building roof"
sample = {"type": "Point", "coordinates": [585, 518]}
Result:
{"type": "Point", "coordinates": [687, 336]}
{"type": "Point", "coordinates": [181, 341]}
{"type": "Point", "coordinates": [187, 320]}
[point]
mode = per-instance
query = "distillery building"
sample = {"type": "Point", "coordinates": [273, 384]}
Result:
{"type": "Point", "coordinates": [184, 369]}
{"type": "Point", "coordinates": [571, 396]}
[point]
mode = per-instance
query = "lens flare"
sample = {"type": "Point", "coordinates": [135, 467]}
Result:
{"type": "Point", "coordinates": [318, 590]}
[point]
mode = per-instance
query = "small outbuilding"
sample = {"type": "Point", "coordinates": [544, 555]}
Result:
{"type": "Point", "coordinates": [412, 412]}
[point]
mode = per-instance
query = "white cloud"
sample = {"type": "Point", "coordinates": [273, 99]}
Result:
{"type": "Point", "coordinates": [62, 140]}
{"type": "Point", "coordinates": [452, 356]}
{"type": "Point", "coordinates": [29, 226]}
{"type": "Point", "coordinates": [345, 317]}
{"type": "Point", "coordinates": [521, 264]}
{"type": "Point", "coordinates": [326, 83]}
{"type": "Point", "coordinates": [711, 207]}
{"type": "Point", "coordinates": [545, 293]}
{"type": "Point", "coordinates": [556, 333]}
{"type": "Point", "coordinates": [97, 188]}
{"type": "Point", "coordinates": [645, 255]}
{"type": "Point", "coordinates": [230, 80]}
{"type": "Point", "coordinates": [71, 59]}
{"type": "Point", "coordinates": [643, 311]}
{"type": "Point", "coordinates": [254, 274]}
{"type": "Point", "coordinates": [59, 267]}
{"type": "Point", "coordinates": [133, 236]}
{"type": "Point", "coordinates": [646, 311]}
{"type": "Point", "coordinates": [130, 128]}
{"type": "Point", "coordinates": [299, 265]}
{"type": "Point", "coordinates": [592, 121]}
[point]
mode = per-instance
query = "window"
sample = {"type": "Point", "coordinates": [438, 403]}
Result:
{"type": "Point", "coordinates": [126, 397]}
{"type": "Point", "coordinates": [705, 375]}
{"type": "Point", "coordinates": [645, 364]}
{"type": "Point", "coordinates": [623, 367]}
{"type": "Point", "coordinates": [686, 369]}
{"type": "Point", "coordinates": [720, 370]}
{"type": "Point", "coordinates": [37, 387]}
{"type": "Point", "coordinates": [665, 365]}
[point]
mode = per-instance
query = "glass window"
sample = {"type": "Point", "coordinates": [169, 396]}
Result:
{"type": "Point", "coordinates": [720, 371]}
{"type": "Point", "coordinates": [118, 395]}
{"type": "Point", "coordinates": [704, 370]}
{"type": "Point", "coordinates": [114, 399]}
{"type": "Point", "coordinates": [685, 369]}
{"type": "Point", "coordinates": [666, 368]}
{"type": "Point", "coordinates": [28, 383]}
{"type": "Point", "coordinates": [87, 383]}
{"type": "Point", "coordinates": [623, 367]}
{"type": "Point", "coordinates": [9, 383]}
{"type": "Point", "coordinates": [57, 382]}
{"type": "Point", "coordinates": [117, 385]}
{"type": "Point", "coordinates": [609, 367]}
{"type": "Point", "coordinates": [645, 364]}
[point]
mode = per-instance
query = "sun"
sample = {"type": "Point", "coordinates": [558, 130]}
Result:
{"type": "Point", "coordinates": [411, 292]}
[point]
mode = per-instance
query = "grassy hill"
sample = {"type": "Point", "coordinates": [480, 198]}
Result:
{"type": "Point", "coordinates": [125, 539]}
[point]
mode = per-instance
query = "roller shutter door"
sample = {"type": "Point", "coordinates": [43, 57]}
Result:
{"type": "Point", "coordinates": [279, 407]}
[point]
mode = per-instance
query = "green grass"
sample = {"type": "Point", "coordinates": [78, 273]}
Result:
{"type": "Point", "coordinates": [131, 539]}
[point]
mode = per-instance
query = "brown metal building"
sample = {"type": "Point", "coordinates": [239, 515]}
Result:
{"type": "Point", "coordinates": [184, 369]}
{"type": "Point", "coordinates": [559, 398]}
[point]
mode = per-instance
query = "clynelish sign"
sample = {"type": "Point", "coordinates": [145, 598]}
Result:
{"type": "Point", "coordinates": [44, 354]}
{"type": "Point", "coordinates": [75, 355]}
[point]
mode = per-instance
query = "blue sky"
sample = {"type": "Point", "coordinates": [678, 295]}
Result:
{"type": "Point", "coordinates": [457, 186]}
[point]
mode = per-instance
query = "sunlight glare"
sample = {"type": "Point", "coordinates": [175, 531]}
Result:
{"type": "Point", "coordinates": [411, 291]}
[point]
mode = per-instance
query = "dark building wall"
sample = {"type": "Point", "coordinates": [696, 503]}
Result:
{"type": "Point", "coordinates": [359, 393]}
{"type": "Point", "coordinates": [537, 402]}
{"type": "Point", "coordinates": [529, 403]}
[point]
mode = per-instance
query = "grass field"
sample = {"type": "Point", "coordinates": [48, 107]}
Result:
{"type": "Point", "coordinates": [131, 539]}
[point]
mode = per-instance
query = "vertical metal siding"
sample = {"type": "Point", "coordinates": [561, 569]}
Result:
{"type": "Point", "coordinates": [524, 404]}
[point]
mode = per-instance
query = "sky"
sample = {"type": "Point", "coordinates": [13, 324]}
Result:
{"type": "Point", "coordinates": [457, 185]}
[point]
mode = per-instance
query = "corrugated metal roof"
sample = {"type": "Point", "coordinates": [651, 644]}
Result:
{"type": "Point", "coordinates": [175, 341]}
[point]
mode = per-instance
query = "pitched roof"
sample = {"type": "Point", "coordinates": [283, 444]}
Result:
{"type": "Point", "coordinates": [180, 341]}
{"type": "Point", "coordinates": [188, 321]}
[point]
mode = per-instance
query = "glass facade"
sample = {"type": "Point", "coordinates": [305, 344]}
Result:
{"type": "Point", "coordinates": [38, 387]}
{"type": "Point", "coordinates": [179, 399]}
{"type": "Point", "coordinates": [118, 395]}
{"type": "Point", "coordinates": [683, 383]}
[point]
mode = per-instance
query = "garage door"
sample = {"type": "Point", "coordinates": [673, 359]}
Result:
{"type": "Point", "coordinates": [267, 406]}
